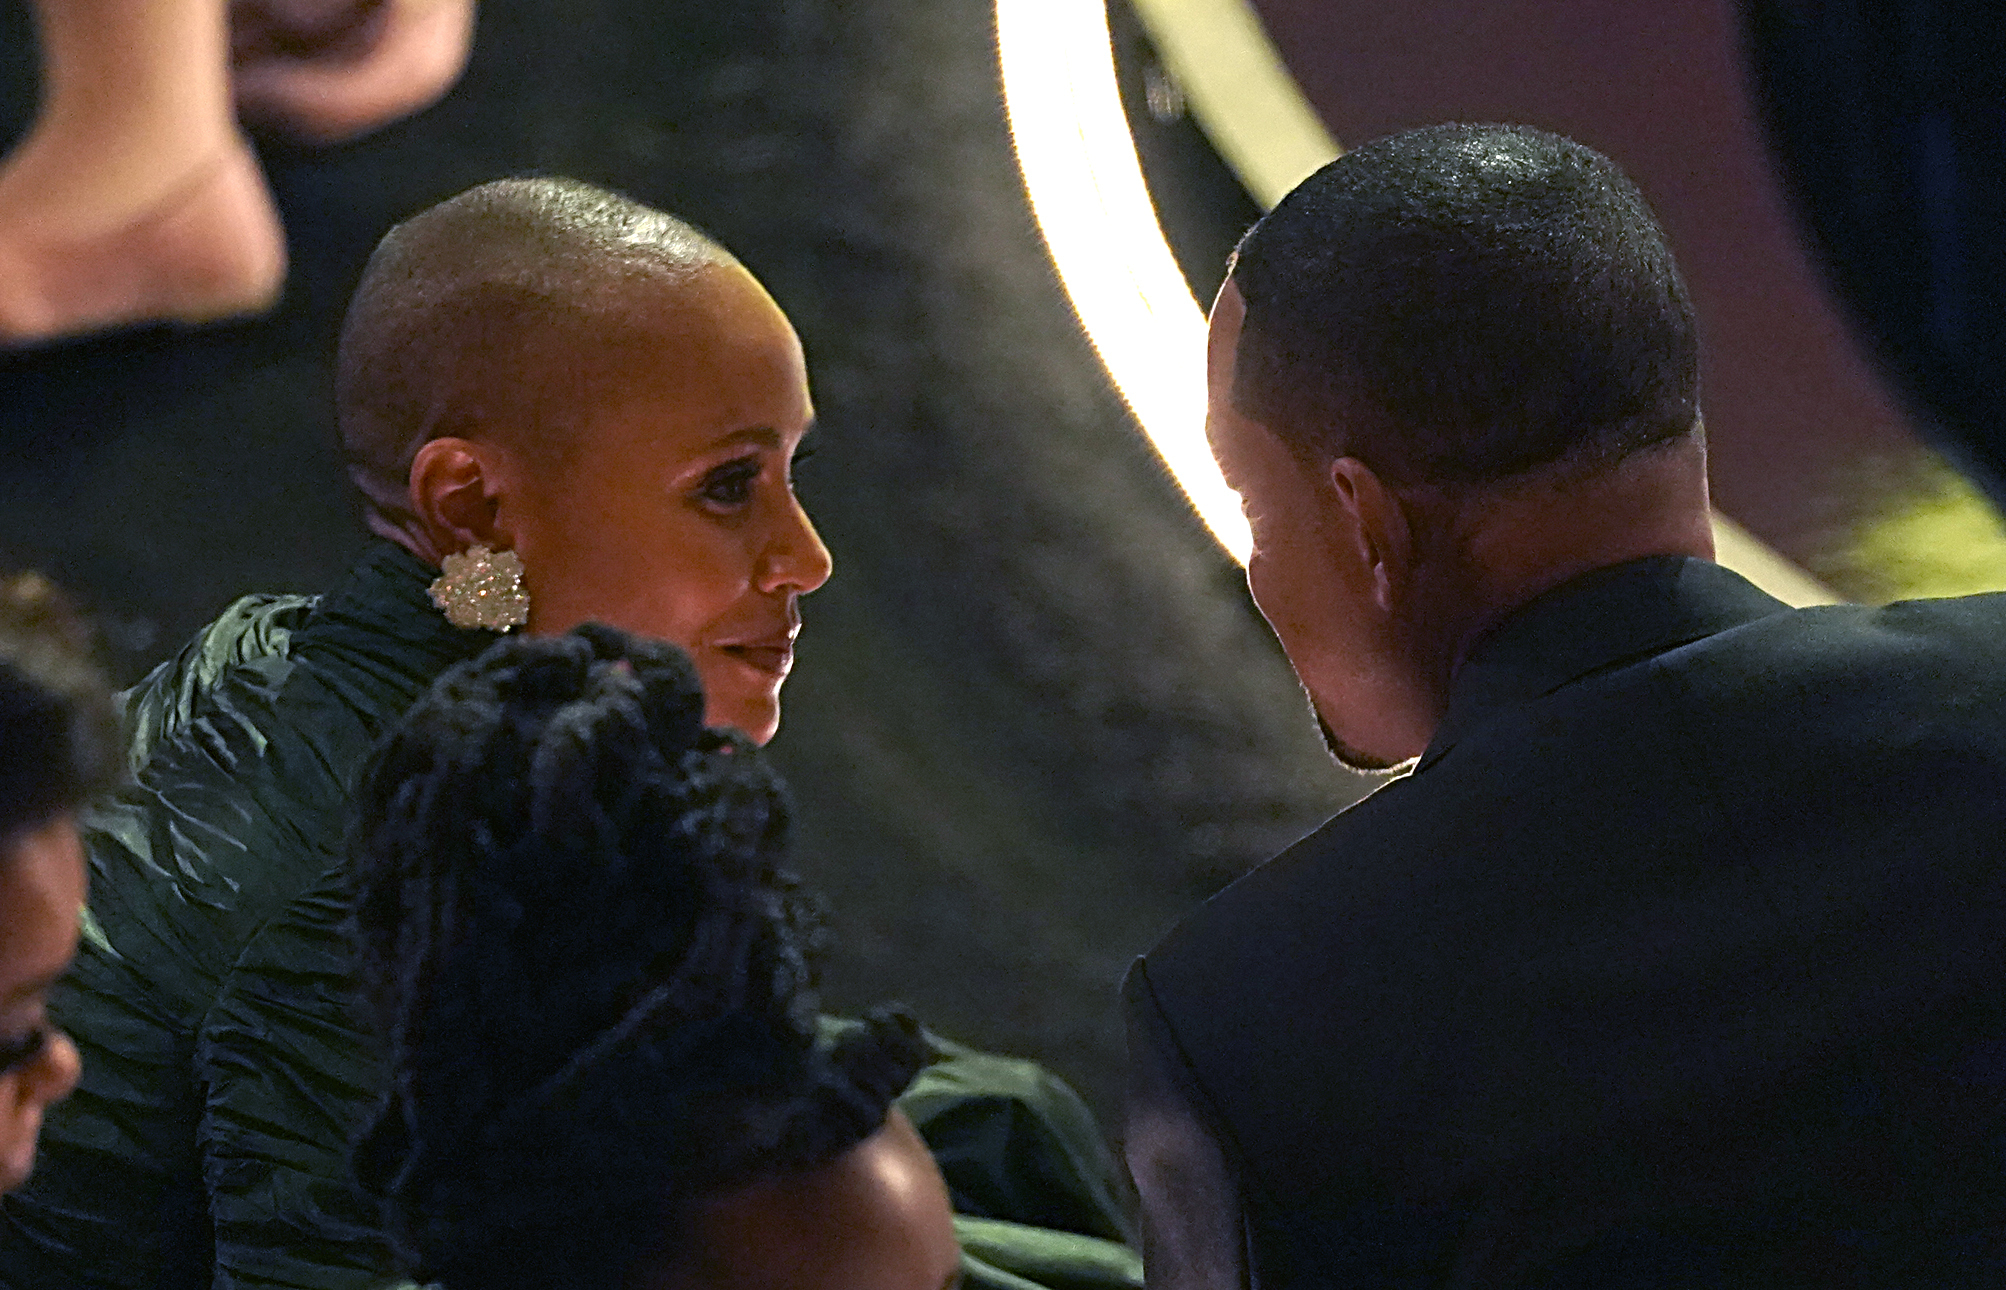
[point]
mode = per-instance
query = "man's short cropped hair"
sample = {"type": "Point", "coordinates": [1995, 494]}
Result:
{"type": "Point", "coordinates": [501, 309]}
{"type": "Point", "coordinates": [1462, 303]}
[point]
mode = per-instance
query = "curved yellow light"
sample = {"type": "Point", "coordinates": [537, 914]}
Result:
{"type": "Point", "coordinates": [1240, 93]}
{"type": "Point", "coordinates": [1086, 189]}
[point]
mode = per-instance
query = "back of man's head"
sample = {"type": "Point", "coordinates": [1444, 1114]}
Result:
{"type": "Point", "coordinates": [497, 311]}
{"type": "Point", "coordinates": [1462, 303]}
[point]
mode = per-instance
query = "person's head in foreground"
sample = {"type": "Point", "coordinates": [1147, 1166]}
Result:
{"type": "Point", "coordinates": [58, 746]}
{"type": "Point", "coordinates": [544, 368]}
{"type": "Point", "coordinates": [595, 982]}
{"type": "Point", "coordinates": [1452, 370]}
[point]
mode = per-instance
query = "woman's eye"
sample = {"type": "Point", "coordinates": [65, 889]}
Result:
{"type": "Point", "coordinates": [730, 485]}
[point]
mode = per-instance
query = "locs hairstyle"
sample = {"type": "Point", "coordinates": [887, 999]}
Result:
{"type": "Point", "coordinates": [1462, 303]}
{"type": "Point", "coordinates": [593, 977]}
{"type": "Point", "coordinates": [58, 732]}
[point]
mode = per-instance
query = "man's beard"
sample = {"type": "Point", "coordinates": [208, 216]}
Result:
{"type": "Point", "coordinates": [1352, 758]}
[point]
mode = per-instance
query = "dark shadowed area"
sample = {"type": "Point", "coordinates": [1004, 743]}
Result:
{"type": "Point", "coordinates": [1886, 121]}
{"type": "Point", "coordinates": [1035, 716]}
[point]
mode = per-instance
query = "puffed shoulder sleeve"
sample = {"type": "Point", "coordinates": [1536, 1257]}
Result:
{"type": "Point", "coordinates": [1036, 1192]}
{"type": "Point", "coordinates": [1015, 1143]}
{"type": "Point", "coordinates": [1193, 1237]}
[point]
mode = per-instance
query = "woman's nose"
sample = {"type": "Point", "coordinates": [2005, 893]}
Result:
{"type": "Point", "coordinates": [795, 560]}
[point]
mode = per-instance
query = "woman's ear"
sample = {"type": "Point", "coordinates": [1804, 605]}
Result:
{"type": "Point", "coordinates": [454, 497]}
{"type": "Point", "coordinates": [1379, 526]}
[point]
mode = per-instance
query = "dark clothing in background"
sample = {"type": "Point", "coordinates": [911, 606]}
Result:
{"type": "Point", "coordinates": [225, 1071]}
{"type": "Point", "coordinates": [1680, 961]}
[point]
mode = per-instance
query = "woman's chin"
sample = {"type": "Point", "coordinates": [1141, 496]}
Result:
{"type": "Point", "coordinates": [757, 718]}
{"type": "Point", "coordinates": [742, 690]}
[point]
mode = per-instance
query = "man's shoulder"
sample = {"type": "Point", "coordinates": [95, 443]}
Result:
{"type": "Point", "coordinates": [1661, 751]}
{"type": "Point", "coordinates": [1306, 870]}
{"type": "Point", "coordinates": [1967, 631]}
{"type": "Point", "coordinates": [1850, 690]}
{"type": "Point", "coordinates": [1603, 894]}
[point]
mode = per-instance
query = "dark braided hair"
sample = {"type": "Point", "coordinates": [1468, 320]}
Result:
{"type": "Point", "coordinates": [58, 731]}
{"type": "Point", "coordinates": [593, 979]}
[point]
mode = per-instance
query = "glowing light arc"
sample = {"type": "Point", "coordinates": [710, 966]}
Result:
{"type": "Point", "coordinates": [1086, 188]}
{"type": "Point", "coordinates": [1087, 191]}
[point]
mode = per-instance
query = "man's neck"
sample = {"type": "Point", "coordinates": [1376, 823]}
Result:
{"type": "Point", "coordinates": [1519, 543]}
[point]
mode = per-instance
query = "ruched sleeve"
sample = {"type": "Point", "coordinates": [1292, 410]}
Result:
{"type": "Point", "coordinates": [290, 1078]}
{"type": "Point", "coordinates": [1016, 1143]}
{"type": "Point", "coordinates": [180, 862]}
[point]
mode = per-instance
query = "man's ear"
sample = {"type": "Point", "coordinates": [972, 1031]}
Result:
{"type": "Point", "coordinates": [1379, 526]}
{"type": "Point", "coordinates": [454, 497]}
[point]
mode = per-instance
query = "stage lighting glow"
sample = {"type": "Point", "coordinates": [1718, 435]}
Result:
{"type": "Point", "coordinates": [1241, 95]}
{"type": "Point", "coordinates": [1086, 189]}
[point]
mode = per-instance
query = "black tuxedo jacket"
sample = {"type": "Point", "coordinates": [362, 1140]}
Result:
{"type": "Point", "coordinates": [1679, 961]}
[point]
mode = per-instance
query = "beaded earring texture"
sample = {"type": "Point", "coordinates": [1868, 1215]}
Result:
{"type": "Point", "coordinates": [482, 588]}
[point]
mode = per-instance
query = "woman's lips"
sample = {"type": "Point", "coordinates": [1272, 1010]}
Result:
{"type": "Point", "coordinates": [772, 659]}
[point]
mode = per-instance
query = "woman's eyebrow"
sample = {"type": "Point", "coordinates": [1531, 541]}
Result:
{"type": "Point", "coordinates": [762, 436]}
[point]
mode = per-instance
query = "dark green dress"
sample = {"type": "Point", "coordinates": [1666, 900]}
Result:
{"type": "Point", "coordinates": [223, 1073]}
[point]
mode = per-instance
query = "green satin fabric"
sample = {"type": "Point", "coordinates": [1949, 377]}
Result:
{"type": "Point", "coordinates": [223, 1070]}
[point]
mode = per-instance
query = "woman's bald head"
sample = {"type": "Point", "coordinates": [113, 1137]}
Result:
{"type": "Point", "coordinates": [503, 310]}
{"type": "Point", "coordinates": [541, 367]}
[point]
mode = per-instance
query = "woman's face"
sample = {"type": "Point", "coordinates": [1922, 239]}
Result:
{"type": "Point", "coordinates": [41, 895]}
{"type": "Point", "coordinates": [671, 512]}
{"type": "Point", "coordinates": [875, 1218]}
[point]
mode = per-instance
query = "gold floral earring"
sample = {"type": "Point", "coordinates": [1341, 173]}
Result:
{"type": "Point", "coordinates": [482, 588]}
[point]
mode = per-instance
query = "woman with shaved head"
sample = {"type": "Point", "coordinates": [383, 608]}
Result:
{"type": "Point", "coordinates": [560, 406]}
{"type": "Point", "coordinates": [602, 392]}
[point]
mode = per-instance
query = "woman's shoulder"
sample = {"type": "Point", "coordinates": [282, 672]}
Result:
{"type": "Point", "coordinates": [241, 759]}
{"type": "Point", "coordinates": [253, 632]}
